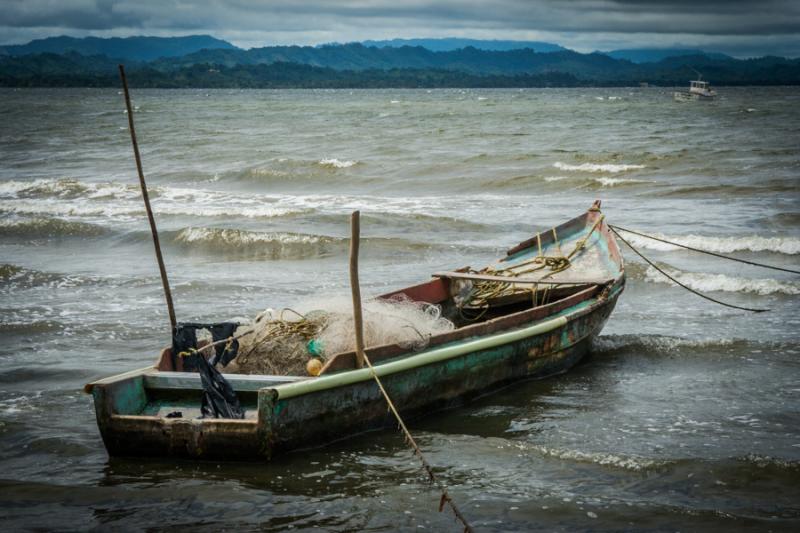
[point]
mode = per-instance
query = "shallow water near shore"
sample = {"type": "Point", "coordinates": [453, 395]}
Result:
{"type": "Point", "coordinates": [685, 417]}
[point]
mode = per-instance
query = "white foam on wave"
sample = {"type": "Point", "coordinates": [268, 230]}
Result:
{"type": "Point", "coordinates": [659, 343]}
{"type": "Point", "coordinates": [705, 282]}
{"type": "Point", "coordinates": [20, 404]}
{"type": "Point", "coordinates": [556, 178]}
{"type": "Point", "coordinates": [721, 245]}
{"type": "Point", "coordinates": [68, 209]}
{"type": "Point", "coordinates": [123, 202]}
{"type": "Point", "coordinates": [632, 463]}
{"type": "Point", "coordinates": [768, 461]}
{"type": "Point", "coordinates": [613, 182]}
{"type": "Point", "coordinates": [240, 237]}
{"type": "Point", "coordinates": [335, 163]}
{"type": "Point", "coordinates": [597, 167]}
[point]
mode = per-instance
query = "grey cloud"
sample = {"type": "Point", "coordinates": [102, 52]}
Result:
{"type": "Point", "coordinates": [358, 19]}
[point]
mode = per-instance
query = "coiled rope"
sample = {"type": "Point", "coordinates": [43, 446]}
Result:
{"type": "Point", "coordinates": [483, 291]}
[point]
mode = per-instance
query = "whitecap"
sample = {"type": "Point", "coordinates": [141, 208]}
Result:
{"type": "Point", "coordinates": [632, 463]}
{"type": "Point", "coordinates": [706, 282]}
{"type": "Point", "coordinates": [235, 237]}
{"type": "Point", "coordinates": [597, 167]}
{"type": "Point", "coordinates": [335, 163]}
{"type": "Point", "coordinates": [658, 343]}
{"type": "Point", "coordinates": [722, 245]}
{"type": "Point", "coordinates": [612, 182]}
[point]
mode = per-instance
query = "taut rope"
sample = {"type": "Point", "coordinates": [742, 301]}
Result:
{"type": "Point", "coordinates": [652, 264]}
{"type": "Point", "coordinates": [729, 258]}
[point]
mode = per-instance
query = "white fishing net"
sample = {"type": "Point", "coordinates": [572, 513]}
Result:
{"type": "Point", "coordinates": [282, 342]}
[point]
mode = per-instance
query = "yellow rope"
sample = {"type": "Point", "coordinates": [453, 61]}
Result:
{"type": "Point", "coordinates": [483, 291]}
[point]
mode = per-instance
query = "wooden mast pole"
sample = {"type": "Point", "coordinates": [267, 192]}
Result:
{"type": "Point", "coordinates": [146, 198]}
{"type": "Point", "coordinates": [362, 358]}
{"type": "Point", "coordinates": [355, 231]}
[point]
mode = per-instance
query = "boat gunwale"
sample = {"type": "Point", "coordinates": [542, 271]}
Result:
{"type": "Point", "coordinates": [498, 326]}
{"type": "Point", "coordinates": [344, 379]}
{"type": "Point", "coordinates": [379, 353]}
{"type": "Point", "coordinates": [445, 353]}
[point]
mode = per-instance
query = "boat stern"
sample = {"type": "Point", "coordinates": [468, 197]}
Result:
{"type": "Point", "coordinates": [147, 412]}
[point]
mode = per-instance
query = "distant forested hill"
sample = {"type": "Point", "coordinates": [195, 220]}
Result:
{"type": "Point", "coordinates": [654, 55]}
{"type": "Point", "coordinates": [355, 65]}
{"type": "Point", "coordinates": [356, 56]}
{"type": "Point", "coordinates": [129, 48]}
{"type": "Point", "coordinates": [453, 43]}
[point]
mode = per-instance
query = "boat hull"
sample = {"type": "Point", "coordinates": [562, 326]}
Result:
{"type": "Point", "coordinates": [309, 413]}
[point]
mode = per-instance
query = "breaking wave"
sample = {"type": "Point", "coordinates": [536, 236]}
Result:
{"type": "Point", "coordinates": [13, 277]}
{"type": "Point", "coordinates": [608, 344]}
{"type": "Point", "coordinates": [274, 245]}
{"type": "Point", "coordinates": [336, 163]}
{"type": "Point", "coordinates": [769, 462]}
{"type": "Point", "coordinates": [116, 202]}
{"type": "Point", "coordinates": [632, 463]}
{"type": "Point", "coordinates": [49, 227]}
{"type": "Point", "coordinates": [597, 167]}
{"type": "Point", "coordinates": [67, 188]}
{"type": "Point", "coordinates": [613, 182]}
{"type": "Point", "coordinates": [706, 282]}
{"type": "Point", "coordinates": [237, 238]}
{"type": "Point", "coordinates": [282, 245]}
{"type": "Point", "coordinates": [752, 243]}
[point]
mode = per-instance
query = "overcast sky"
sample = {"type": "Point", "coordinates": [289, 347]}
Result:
{"type": "Point", "coordinates": [740, 28]}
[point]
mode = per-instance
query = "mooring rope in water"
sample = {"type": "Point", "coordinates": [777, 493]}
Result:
{"type": "Point", "coordinates": [361, 359]}
{"type": "Point", "coordinates": [762, 265]}
{"type": "Point", "coordinates": [446, 498]}
{"type": "Point", "coordinates": [661, 271]}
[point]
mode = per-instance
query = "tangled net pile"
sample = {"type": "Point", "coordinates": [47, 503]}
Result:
{"type": "Point", "coordinates": [282, 341]}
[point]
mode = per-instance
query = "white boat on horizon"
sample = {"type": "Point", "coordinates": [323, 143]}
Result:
{"type": "Point", "coordinates": [698, 90]}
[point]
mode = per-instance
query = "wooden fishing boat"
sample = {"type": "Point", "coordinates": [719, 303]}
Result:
{"type": "Point", "coordinates": [532, 314]}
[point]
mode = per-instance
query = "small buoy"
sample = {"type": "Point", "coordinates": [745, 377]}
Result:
{"type": "Point", "coordinates": [315, 347]}
{"type": "Point", "coordinates": [313, 367]}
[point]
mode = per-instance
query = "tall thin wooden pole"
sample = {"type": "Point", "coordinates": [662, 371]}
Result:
{"type": "Point", "coordinates": [355, 235]}
{"type": "Point", "coordinates": [361, 358]}
{"type": "Point", "coordinates": [146, 198]}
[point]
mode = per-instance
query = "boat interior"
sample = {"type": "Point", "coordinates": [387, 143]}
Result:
{"type": "Point", "coordinates": [573, 262]}
{"type": "Point", "coordinates": [595, 264]}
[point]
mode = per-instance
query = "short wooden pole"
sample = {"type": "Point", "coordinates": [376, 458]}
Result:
{"type": "Point", "coordinates": [146, 198]}
{"type": "Point", "coordinates": [355, 231]}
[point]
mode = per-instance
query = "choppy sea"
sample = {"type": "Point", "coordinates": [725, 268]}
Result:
{"type": "Point", "coordinates": [685, 418]}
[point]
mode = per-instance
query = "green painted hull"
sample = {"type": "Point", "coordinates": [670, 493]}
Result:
{"type": "Point", "coordinates": [311, 412]}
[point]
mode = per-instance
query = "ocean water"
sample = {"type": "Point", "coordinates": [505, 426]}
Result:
{"type": "Point", "coordinates": [685, 418]}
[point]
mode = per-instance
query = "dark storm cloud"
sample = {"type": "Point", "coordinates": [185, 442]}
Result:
{"type": "Point", "coordinates": [736, 23]}
{"type": "Point", "coordinates": [81, 15]}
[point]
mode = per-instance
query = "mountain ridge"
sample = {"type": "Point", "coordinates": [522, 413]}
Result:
{"type": "Point", "coordinates": [136, 48]}
{"type": "Point", "coordinates": [446, 44]}
{"type": "Point", "coordinates": [356, 65]}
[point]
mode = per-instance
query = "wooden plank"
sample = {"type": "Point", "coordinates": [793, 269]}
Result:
{"type": "Point", "coordinates": [191, 381]}
{"type": "Point", "coordinates": [520, 280]}
{"type": "Point", "coordinates": [119, 377]}
{"type": "Point", "coordinates": [434, 291]}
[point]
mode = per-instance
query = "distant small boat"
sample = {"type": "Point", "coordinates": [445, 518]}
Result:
{"type": "Point", "coordinates": [513, 334]}
{"type": "Point", "coordinates": [698, 90]}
